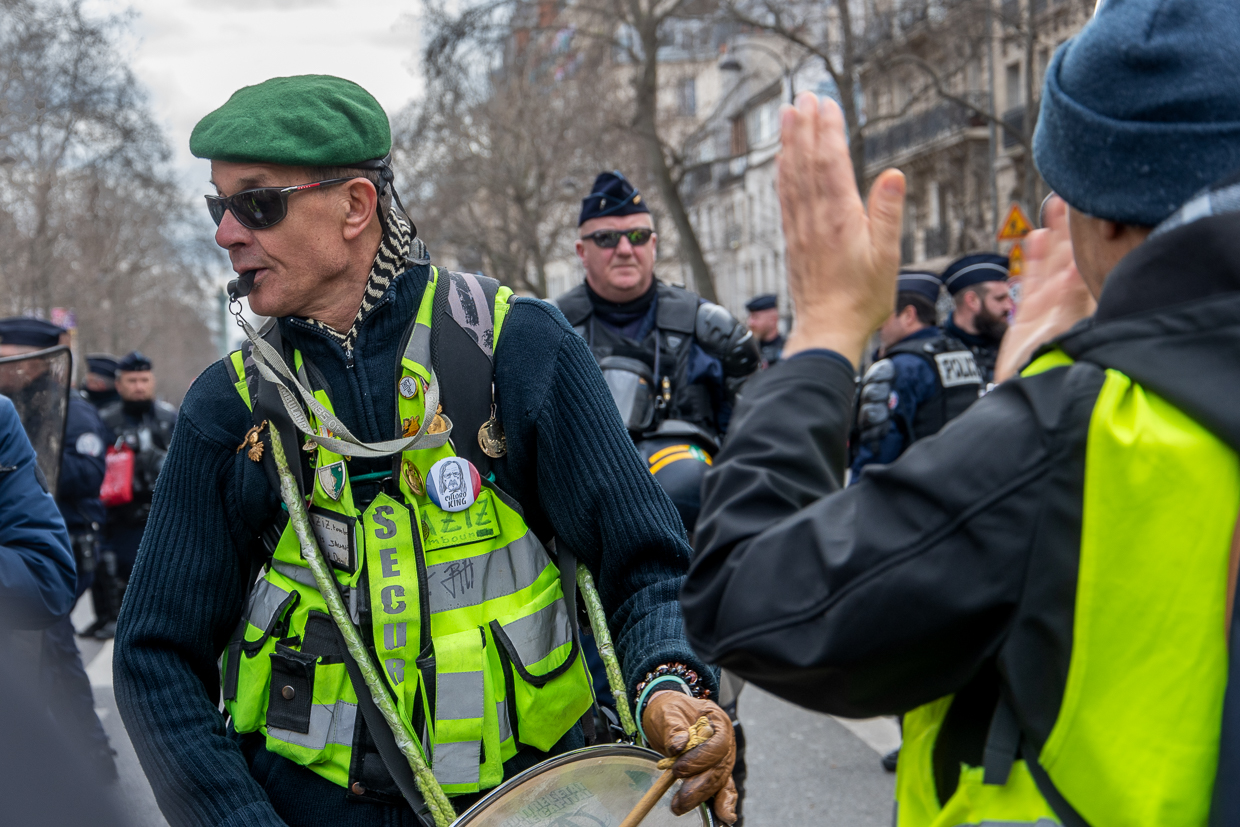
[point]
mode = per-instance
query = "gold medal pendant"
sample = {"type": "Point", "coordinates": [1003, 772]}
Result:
{"type": "Point", "coordinates": [413, 478]}
{"type": "Point", "coordinates": [491, 439]}
{"type": "Point", "coordinates": [439, 424]}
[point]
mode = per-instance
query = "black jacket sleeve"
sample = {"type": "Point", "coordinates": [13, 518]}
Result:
{"type": "Point", "coordinates": [81, 473]}
{"type": "Point", "coordinates": [876, 598]}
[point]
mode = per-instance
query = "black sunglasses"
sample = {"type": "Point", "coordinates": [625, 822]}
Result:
{"type": "Point", "coordinates": [608, 239]}
{"type": "Point", "coordinates": [260, 208]}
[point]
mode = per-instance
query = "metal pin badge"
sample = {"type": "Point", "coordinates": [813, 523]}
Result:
{"type": "Point", "coordinates": [408, 387]}
{"type": "Point", "coordinates": [413, 478]}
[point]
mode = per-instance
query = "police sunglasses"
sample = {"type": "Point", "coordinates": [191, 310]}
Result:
{"type": "Point", "coordinates": [607, 239]}
{"type": "Point", "coordinates": [264, 207]}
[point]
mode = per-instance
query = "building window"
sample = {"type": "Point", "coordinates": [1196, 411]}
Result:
{"type": "Point", "coordinates": [740, 145]}
{"type": "Point", "coordinates": [686, 96]}
{"type": "Point", "coordinates": [762, 122]}
{"type": "Point", "coordinates": [1013, 87]}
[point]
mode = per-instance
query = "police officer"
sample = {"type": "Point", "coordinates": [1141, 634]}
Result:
{"type": "Point", "coordinates": [1042, 588]}
{"type": "Point", "coordinates": [763, 321]}
{"type": "Point", "coordinates": [453, 430]}
{"type": "Point", "coordinates": [688, 355]}
{"type": "Point", "coordinates": [922, 379]}
{"type": "Point", "coordinates": [77, 498]}
{"type": "Point", "coordinates": [144, 425]}
{"type": "Point", "coordinates": [982, 300]}
{"type": "Point", "coordinates": [99, 384]}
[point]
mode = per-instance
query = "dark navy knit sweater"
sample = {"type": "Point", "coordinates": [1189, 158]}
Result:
{"type": "Point", "coordinates": [570, 463]}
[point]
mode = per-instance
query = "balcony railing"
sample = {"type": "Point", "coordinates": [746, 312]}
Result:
{"type": "Point", "coordinates": [921, 128]}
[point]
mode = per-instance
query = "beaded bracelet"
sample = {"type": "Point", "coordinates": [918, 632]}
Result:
{"type": "Point", "coordinates": [681, 671]}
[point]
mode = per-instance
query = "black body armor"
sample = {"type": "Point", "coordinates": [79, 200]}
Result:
{"type": "Point", "coordinates": [957, 379]}
{"type": "Point", "coordinates": [681, 318]}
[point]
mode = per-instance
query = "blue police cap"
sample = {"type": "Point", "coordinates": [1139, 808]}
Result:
{"type": "Point", "coordinates": [767, 301]}
{"type": "Point", "coordinates": [102, 364]}
{"type": "Point", "coordinates": [612, 195]}
{"type": "Point", "coordinates": [133, 361]}
{"type": "Point", "coordinates": [923, 284]}
{"type": "Point", "coordinates": [975, 269]}
{"type": "Point", "coordinates": [21, 330]}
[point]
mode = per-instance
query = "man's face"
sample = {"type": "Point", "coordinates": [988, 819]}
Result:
{"type": "Point", "coordinates": [99, 384]}
{"type": "Point", "coordinates": [294, 260]}
{"type": "Point", "coordinates": [898, 327]}
{"type": "Point", "coordinates": [135, 385]}
{"type": "Point", "coordinates": [764, 323]}
{"type": "Point", "coordinates": [624, 272]}
{"type": "Point", "coordinates": [996, 307]}
{"type": "Point", "coordinates": [15, 376]}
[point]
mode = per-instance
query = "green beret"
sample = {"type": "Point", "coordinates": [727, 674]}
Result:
{"type": "Point", "coordinates": [302, 121]}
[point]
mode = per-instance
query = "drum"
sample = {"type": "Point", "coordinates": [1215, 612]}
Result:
{"type": "Point", "coordinates": [591, 787]}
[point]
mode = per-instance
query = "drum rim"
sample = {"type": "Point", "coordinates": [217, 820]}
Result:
{"type": "Point", "coordinates": [557, 761]}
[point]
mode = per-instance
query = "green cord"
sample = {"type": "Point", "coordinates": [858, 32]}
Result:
{"type": "Point", "coordinates": [602, 636]}
{"type": "Point", "coordinates": [378, 475]}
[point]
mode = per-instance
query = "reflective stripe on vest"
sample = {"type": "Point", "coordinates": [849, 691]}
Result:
{"type": "Point", "coordinates": [475, 574]}
{"type": "Point", "coordinates": [329, 724]}
{"type": "Point", "coordinates": [1136, 739]}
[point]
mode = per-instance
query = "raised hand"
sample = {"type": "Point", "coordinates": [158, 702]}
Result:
{"type": "Point", "coordinates": [843, 257]}
{"type": "Point", "coordinates": [1053, 296]}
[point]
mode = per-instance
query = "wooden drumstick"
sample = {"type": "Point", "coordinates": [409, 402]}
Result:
{"type": "Point", "coordinates": [699, 733]}
{"type": "Point", "coordinates": [651, 798]}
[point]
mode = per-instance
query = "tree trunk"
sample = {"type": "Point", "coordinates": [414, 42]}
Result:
{"type": "Point", "coordinates": [848, 95]}
{"type": "Point", "coordinates": [646, 120]}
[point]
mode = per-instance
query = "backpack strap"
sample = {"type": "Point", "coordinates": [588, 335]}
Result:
{"type": "Point", "coordinates": [469, 312]}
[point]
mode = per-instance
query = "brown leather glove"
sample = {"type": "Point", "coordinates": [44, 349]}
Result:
{"type": "Point", "coordinates": [707, 768]}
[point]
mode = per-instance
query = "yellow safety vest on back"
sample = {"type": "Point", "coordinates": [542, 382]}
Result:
{"type": "Point", "coordinates": [1136, 740]}
{"type": "Point", "coordinates": [466, 610]}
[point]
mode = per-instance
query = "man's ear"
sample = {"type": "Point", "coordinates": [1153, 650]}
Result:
{"type": "Point", "coordinates": [580, 247]}
{"type": "Point", "coordinates": [362, 200]}
{"type": "Point", "coordinates": [973, 300]}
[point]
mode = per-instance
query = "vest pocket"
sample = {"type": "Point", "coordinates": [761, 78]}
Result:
{"type": "Point", "coordinates": [292, 690]}
{"type": "Point", "coordinates": [311, 708]}
{"type": "Point", "coordinates": [550, 687]}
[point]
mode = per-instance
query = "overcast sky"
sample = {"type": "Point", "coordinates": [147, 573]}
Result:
{"type": "Point", "coordinates": [192, 54]}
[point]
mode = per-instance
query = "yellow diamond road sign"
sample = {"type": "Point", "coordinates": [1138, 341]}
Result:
{"type": "Point", "coordinates": [1016, 260]}
{"type": "Point", "coordinates": [1016, 226]}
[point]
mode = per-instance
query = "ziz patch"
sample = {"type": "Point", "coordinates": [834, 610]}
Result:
{"type": "Point", "coordinates": [957, 368]}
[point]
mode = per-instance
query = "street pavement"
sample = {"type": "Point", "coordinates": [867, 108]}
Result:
{"type": "Point", "coordinates": [804, 768]}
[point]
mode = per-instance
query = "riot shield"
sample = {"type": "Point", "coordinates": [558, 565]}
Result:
{"type": "Point", "coordinates": [39, 385]}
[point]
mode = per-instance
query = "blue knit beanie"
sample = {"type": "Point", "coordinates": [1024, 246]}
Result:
{"type": "Point", "coordinates": [1141, 110]}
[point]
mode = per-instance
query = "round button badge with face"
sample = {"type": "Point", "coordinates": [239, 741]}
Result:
{"type": "Point", "coordinates": [453, 484]}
